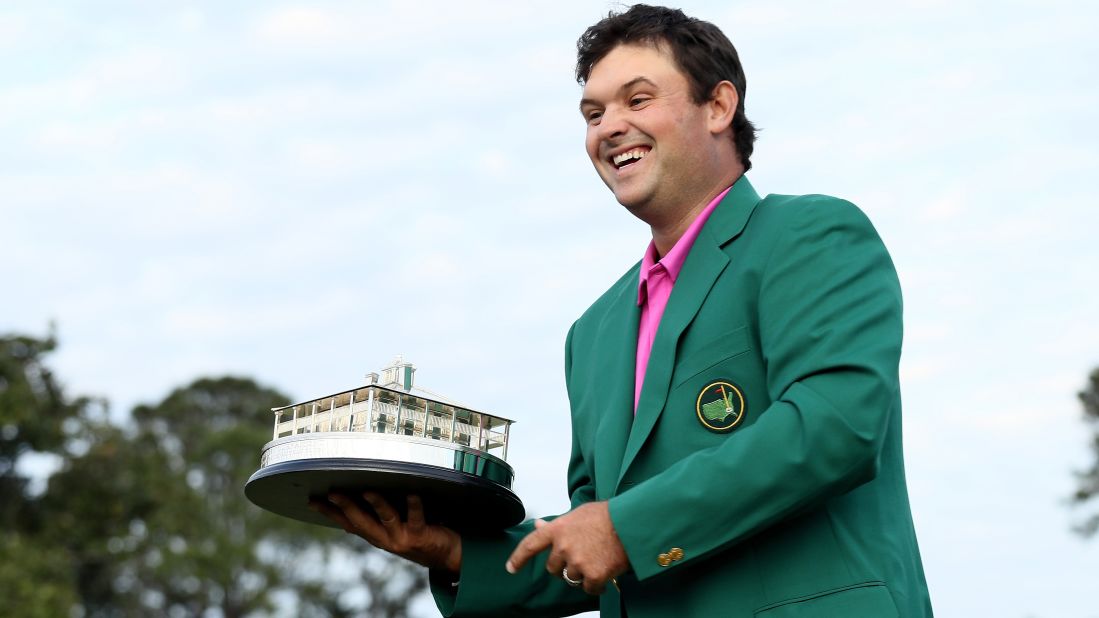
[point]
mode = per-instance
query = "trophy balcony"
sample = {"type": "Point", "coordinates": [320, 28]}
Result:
{"type": "Point", "coordinates": [383, 410]}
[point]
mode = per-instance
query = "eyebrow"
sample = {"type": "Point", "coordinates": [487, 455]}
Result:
{"type": "Point", "coordinates": [640, 79]}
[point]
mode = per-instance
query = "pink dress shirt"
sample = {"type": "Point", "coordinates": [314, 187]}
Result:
{"type": "Point", "coordinates": [655, 287]}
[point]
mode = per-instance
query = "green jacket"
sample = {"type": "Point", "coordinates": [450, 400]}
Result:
{"type": "Point", "coordinates": [793, 501]}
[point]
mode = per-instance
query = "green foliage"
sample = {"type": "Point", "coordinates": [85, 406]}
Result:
{"type": "Point", "coordinates": [32, 408]}
{"type": "Point", "coordinates": [33, 415]}
{"type": "Point", "coordinates": [151, 518]}
{"type": "Point", "coordinates": [35, 581]}
{"type": "Point", "coordinates": [204, 439]}
{"type": "Point", "coordinates": [1088, 480]}
{"type": "Point", "coordinates": [34, 578]}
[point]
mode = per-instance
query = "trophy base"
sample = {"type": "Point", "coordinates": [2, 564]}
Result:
{"type": "Point", "coordinates": [458, 500]}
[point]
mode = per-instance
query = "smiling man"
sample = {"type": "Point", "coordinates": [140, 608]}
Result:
{"type": "Point", "coordinates": [734, 397]}
{"type": "Point", "coordinates": [664, 155]}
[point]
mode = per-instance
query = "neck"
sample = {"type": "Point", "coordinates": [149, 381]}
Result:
{"type": "Point", "coordinates": [668, 232]}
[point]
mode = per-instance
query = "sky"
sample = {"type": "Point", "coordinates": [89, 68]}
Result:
{"type": "Point", "coordinates": [300, 192]}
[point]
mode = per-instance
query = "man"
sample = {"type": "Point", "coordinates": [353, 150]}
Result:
{"type": "Point", "coordinates": [735, 401]}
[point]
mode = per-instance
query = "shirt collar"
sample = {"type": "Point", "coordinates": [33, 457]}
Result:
{"type": "Point", "coordinates": [672, 263]}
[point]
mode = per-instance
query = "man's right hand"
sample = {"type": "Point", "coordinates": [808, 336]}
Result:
{"type": "Point", "coordinates": [435, 547]}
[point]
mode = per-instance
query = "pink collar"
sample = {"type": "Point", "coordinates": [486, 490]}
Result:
{"type": "Point", "coordinates": [673, 261]}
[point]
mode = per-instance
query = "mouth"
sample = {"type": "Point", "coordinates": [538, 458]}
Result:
{"type": "Point", "coordinates": [629, 157]}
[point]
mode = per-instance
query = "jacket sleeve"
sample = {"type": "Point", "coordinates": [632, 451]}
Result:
{"type": "Point", "coordinates": [486, 590]}
{"type": "Point", "coordinates": [829, 315]}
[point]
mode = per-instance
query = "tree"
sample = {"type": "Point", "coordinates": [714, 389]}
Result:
{"type": "Point", "coordinates": [150, 518]}
{"type": "Point", "coordinates": [35, 581]}
{"type": "Point", "coordinates": [212, 548]}
{"type": "Point", "coordinates": [33, 415]}
{"type": "Point", "coordinates": [1088, 480]}
{"type": "Point", "coordinates": [167, 529]}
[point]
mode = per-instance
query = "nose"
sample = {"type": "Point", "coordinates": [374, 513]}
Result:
{"type": "Point", "coordinates": [612, 124]}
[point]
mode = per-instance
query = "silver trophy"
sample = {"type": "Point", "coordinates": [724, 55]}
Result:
{"type": "Point", "coordinates": [394, 438]}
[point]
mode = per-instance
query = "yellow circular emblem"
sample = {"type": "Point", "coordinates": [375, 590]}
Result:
{"type": "Point", "coordinates": [720, 406]}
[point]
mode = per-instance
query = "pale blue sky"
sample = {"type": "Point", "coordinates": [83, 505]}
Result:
{"type": "Point", "coordinates": [298, 192]}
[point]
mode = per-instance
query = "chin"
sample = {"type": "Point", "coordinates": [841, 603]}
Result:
{"type": "Point", "coordinates": [633, 203]}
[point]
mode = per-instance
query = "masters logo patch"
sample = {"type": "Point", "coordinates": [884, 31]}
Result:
{"type": "Point", "coordinates": [721, 406]}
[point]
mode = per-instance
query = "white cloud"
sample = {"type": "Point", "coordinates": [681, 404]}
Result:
{"type": "Point", "coordinates": [305, 25]}
{"type": "Point", "coordinates": [14, 30]}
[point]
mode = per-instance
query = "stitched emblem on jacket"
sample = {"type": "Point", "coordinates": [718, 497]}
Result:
{"type": "Point", "coordinates": [721, 406]}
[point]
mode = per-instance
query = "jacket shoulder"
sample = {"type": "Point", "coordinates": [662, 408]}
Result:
{"type": "Point", "coordinates": [626, 284]}
{"type": "Point", "coordinates": [798, 211]}
{"type": "Point", "coordinates": [808, 208]}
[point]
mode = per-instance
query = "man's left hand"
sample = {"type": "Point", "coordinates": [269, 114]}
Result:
{"type": "Point", "coordinates": [583, 541]}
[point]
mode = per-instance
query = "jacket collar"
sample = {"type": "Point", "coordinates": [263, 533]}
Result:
{"type": "Point", "coordinates": [704, 264]}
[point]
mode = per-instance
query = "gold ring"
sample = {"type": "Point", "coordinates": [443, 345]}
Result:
{"type": "Point", "coordinates": [615, 582]}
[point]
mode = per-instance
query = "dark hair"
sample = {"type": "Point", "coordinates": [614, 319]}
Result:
{"type": "Point", "coordinates": [700, 50]}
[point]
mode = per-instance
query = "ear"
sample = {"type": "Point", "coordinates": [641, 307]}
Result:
{"type": "Point", "coordinates": [722, 106]}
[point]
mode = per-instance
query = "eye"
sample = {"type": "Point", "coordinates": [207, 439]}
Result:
{"type": "Point", "coordinates": [638, 100]}
{"type": "Point", "coordinates": [593, 116]}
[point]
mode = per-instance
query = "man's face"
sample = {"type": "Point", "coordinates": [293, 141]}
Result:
{"type": "Point", "coordinates": [646, 137]}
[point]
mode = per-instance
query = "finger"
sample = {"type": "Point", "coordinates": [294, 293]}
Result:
{"type": "Point", "coordinates": [386, 514]}
{"type": "Point", "coordinates": [531, 544]}
{"type": "Point", "coordinates": [594, 587]}
{"type": "Point", "coordinates": [416, 523]}
{"type": "Point", "coordinates": [364, 524]}
{"type": "Point", "coordinates": [333, 513]}
{"type": "Point", "coordinates": [556, 562]}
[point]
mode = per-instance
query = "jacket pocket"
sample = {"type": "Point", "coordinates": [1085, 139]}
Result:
{"type": "Point", "coordinates": [719, 349]}
{"type": "Point", "coordinates": [865, 600]}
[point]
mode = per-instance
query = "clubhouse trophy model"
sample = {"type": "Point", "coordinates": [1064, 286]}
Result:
{"type": "Point", "coordinates": [397, 439]}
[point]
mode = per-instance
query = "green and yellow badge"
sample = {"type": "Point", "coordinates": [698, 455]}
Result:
{"type": "Point", "coordinates": [720, 406]}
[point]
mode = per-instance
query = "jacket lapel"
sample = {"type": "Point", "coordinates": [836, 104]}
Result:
{"type": "Point", "coordinates": [704, 264]}
{"type": "Point", "coordinates": [618, 353]}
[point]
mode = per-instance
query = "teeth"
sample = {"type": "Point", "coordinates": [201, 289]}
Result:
{"type": "Point", "coordinates": [637, 153]}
